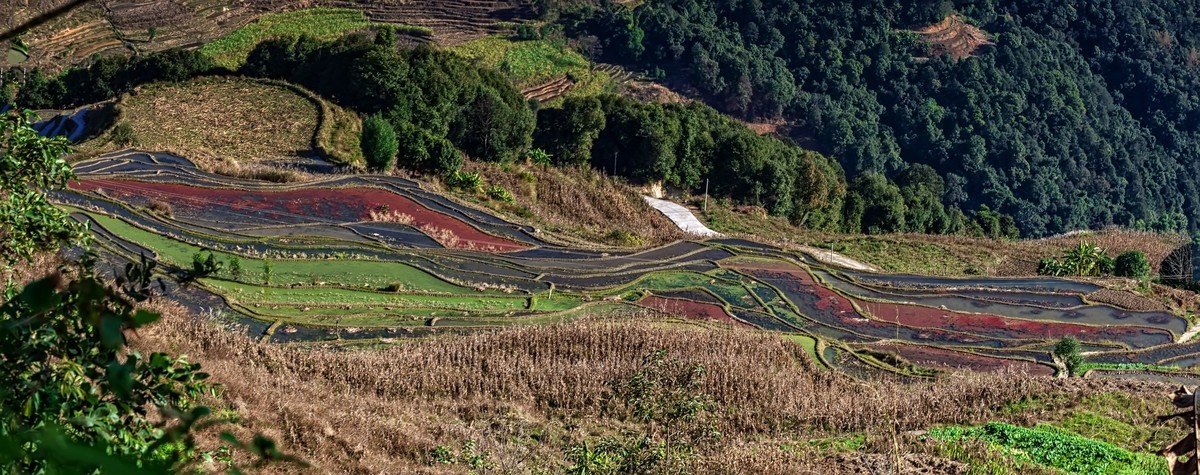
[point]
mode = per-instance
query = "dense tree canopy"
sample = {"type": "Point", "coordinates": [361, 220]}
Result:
{"type": "Point", "coordinates": [1082, 114]}
{"type": "Point", "coordinates": [435, 92]}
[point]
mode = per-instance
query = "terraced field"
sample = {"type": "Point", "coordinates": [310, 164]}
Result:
{"type": "Point", "coordinates": [373, 257]}
{"type": "Point", "coordinates": [143, 25]}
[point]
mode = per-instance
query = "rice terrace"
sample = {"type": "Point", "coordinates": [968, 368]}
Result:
{"type": "Point", "coordinates": [374, 257]}
{"type": "Point", "coordinates": [599, 237]}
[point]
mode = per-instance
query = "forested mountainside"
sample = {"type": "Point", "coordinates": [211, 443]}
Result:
{"type": "Point", "coordinates": [1071, 114]}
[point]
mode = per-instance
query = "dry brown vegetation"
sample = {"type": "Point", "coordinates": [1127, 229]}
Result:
{"type": "Point", "coordinates": [383, 410]}
{"type": "Point", "coordinates": [219, 118]}
{"type": "Point", "coordinates": [525, 395]}
{"type": "Point", "coordinates": [577, 202]}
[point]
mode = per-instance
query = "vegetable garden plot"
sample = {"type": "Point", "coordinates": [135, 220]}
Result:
{"type": "Point", "coordinates": [950, 359]}
{"type": "Point", "coordinates": [1173, 379]}
{"type": "Point", "coordinates": [690, 309]}
{"type": "Point", "coordinates": [1090, 314]}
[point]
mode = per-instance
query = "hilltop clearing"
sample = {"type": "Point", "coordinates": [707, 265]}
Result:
{"type": "Point", "coordinates": [954, 37]}
{"type": "Point", "coordinates": [227, 124]}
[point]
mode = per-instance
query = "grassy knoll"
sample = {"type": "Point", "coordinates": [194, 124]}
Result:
{"type": "Point", "coordinates": [535, 62]}
{"type": "Point", "coordinates": [215, 119]}
{"type": "Point", "coordinates": [257, 294]}
{"type": "Point", "coordinates": [231, 50]}
{"type": "Point", "coordinates": [350, 273]}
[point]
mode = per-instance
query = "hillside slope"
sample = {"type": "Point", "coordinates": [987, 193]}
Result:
{"type": "Point", "coordinates": [125, 26]}
{"type": "Point", "coordinates": [1081, 115]}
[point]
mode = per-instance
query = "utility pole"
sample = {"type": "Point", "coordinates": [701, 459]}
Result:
{"type": "Point", "coordinates": [706, 195]}
{"type": "Point", "coordinates": [614, 163]}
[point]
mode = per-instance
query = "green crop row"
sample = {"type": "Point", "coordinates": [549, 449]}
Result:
{"type": "Point", "coordinates": [1056, 448]}
{"type": "Point", "coordinates": [247, 294]}
{"type": "Point", "coordinates": [347, 272]}
{"type": "Point", "coordinates": [528, 63]}
{"type": "Point", "coordinates": [231, 50]}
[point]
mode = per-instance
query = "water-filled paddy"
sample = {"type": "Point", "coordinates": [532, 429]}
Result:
{"type": "Point", "coordinates": [446, 266]}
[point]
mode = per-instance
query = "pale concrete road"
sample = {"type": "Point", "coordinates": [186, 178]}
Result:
{"type": "Point", "coordinates": [682, 217]}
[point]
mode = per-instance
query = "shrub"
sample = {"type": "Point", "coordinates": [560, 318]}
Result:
{"type": "Point", "coordinates": [160, 207]}
{"type": "Point", "coordinates": [526, 31]}
{"type": "Point", "coordinates": [623, 237]}
{"type": "Point", "coordinates": [538, 156]}
{"type": "Point", "coordinates": [1132, 264]}
{"type": "Point", "coordinates": [426, 152]}
{"type": "Point", "coordinates": [1084, 260]}
{"type": "Point", "coordinates": [122, 135]}
{"type": "Point", "coordinates": [464, 180]}
{"type": "Point", "coordinates": [1067, 350]}
{"type": "Point", "coordinates": [498, 192]}
{"type": "Point", "coordinates": [379, 144]}
{"type": "Point", "coordinates": [235, 268]}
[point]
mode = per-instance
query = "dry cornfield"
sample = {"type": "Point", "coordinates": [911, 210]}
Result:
{"type": "Point", "coordinates": [525, 395]}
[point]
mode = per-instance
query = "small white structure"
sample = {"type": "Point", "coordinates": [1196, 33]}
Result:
{"type": "Point", "coordinates": [682, 217]}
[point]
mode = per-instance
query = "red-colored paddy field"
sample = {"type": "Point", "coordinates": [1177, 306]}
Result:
{"type": "Point", "coordinates": [689, 308]}
{"type": "Point", "coordinates": [999, 327]}
{"type": "Point", "coordinates": [299, 206]}
{"type": "Point", "coordinates": [942, 358]}
{"type": "Point", "coordinates": [796, 282]}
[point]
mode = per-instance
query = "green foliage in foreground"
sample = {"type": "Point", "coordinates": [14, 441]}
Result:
{"type": "Point", "coordinates": [1055, 448]}
{"type": "Point", "coordinates": [29, 165]}
{"type": "Point", "coordinates": [73, 398]}
{"type": "Point", "coordinates": [231, 50]}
